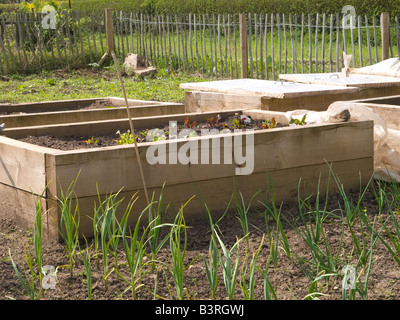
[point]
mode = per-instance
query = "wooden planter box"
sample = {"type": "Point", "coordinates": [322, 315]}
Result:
{"type": "Point", "coordinates": [282, 157]}
{"type": "Point", "coordinates": [69, 111]}
{"type": "Point", "coordinates": [263, 94]}
{"type": "Point", "coordinates": [370, 86]}
{"type": "Point", "coordinates": [293, 91]}
{"type": "Point", "coordinates": [387, 107]}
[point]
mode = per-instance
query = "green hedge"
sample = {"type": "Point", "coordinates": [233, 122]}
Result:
{"type": "Point", "coordinates": [363, 7]}
{"type": "Point", "coordinates": [5, 8]}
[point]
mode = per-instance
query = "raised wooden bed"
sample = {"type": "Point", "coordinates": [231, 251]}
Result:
{"type": "Point", "coordinates": [262, 94]}
{"type": "Point", "coordinates": [282, 157]}
{"type": "Point", "coordinates": [72, 111]}
{"type": "Point", "coordinates": [370, 86]}
{"type": "Point", "coordinates": [387, 107]}
{"type": "Point", "coordinates": [291, 92]}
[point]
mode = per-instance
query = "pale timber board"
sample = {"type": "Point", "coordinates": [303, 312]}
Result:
{"type": "Point", "coordinates": [74, 116]}
{"type": "Point", "coordinates": [389, 113]}
{"type": "Point", "coordinates": [104, 127]}
{"type": "Point", "coordinates": [336, 79]}
{"type": "Point", "coordinates": [217, 193]}
{"type": "Point", "coordinates": [22, 165]}
{"type": "Point", "coordinates": [19, 206]}
{"type": "Point", "coordinates": [48, 106]}
{"type": "Point", "coordinates": [115, 167]}
{"type": "Point", "coordinates": [208, 101]}
{"type": "Point", "coordinates": [266, 88]}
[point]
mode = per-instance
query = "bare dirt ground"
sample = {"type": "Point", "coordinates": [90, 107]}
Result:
{"type": "Point", "coordinates": [287, 278]}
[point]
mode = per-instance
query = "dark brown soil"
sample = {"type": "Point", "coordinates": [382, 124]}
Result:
{"type": "Point", "coordinates": [95, 105]}
{"type": "Point", "coordinates": [288, 277]}
{"type": "Point", "coordinates": [80, 142]}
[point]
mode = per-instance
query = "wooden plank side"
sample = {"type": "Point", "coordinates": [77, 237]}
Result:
{"type": "Point", "coordinates": [217, 194]}
{"type": "Point", "coordinates": [115, 167]}
{"type": "Point", "coordinates": [73, 116]}
{"type": "Point", "coordinates": [57, 105]}
{"type": "Point", "coordinates": [19, 206]}
{"type": "Point", "coordinates": [389, 113]}
{"type": "Point", "coordinates": [22, 165]}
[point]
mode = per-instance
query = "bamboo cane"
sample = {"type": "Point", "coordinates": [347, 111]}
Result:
{"type": "Point", "coordinates": [132, 127]}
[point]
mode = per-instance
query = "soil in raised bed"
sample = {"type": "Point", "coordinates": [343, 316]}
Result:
{"type": "Point", "coordinates": [100, 104]}
{"type": "Point", "coordinates": [81, 142]}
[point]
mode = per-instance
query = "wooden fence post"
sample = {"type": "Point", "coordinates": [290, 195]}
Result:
{"type": "Point", "coordinates": [108, 15]}
{"type": "Point", "coordinates": [385, 25]}
{"type": "Point", "coordinates": [243, 44]}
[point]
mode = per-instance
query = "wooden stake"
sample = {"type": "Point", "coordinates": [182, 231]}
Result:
{"type": "Point", "coordinates": [243, 44]}
{"type": "Point", "coordinates": [109, 35]}
{"type": "Point", "coordinates": [385, 35]}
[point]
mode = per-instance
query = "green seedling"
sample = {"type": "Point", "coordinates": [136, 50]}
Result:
{"type": "Point", "coordinates": [91, 141]}
{"type": "Point", "coordinates": [38, 235]}
{"type": "Point", "coordinates": [298, 122]}
{"type": "Point", "coordinates": [86, 259]}
{"type": "Point", "coordinates": [124, 138]}
{"type": "Point", "coordinates": [212, 268]}
{"type": "Point", "coordinates": [188, 124]}
{"type": "Point", "coordinates": [69, 222]}
{"type": "Point", "coordinates": [134, 249]}
{"type": "Point", "coordinates": [30, 277]}
{"type": "Point", "coordinates": [213, 253]}
{"type": "Point", "coordinates": [242, 211]}
{"type": "Point", "coordinates": [212, 122]}
{"type": "Point", "coordinates": [236, 124]}
{"type": "Point", "coordinates": [311, 230]}
{"type": "Point", "coordinates": [178, 252]}
{"type": "Point", "coordinates": [109, 232]}
{"type": "Point", "coordinates": [314, 292]}
{"type": "Point", "coordinates": [269, 292]}
{"type": "Point", "coordinates": [155, 224]}
{"type": "Point", "coordinates": [249, 272]}
{"type": "Point", "coordinates": [269, 124]}
{"type": "Point", "coordinates": [229, 269]}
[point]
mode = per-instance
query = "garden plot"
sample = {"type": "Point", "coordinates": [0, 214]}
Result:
{"type": "Point", "coordinates": [209, 167]}
{"type": "Point", "coordinates": [263, 94]}
{"type": "Point", "coordinates": [81, 110]}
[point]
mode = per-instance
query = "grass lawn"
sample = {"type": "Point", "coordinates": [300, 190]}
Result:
{"type": "Point", "coordinates": [90, 83]}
